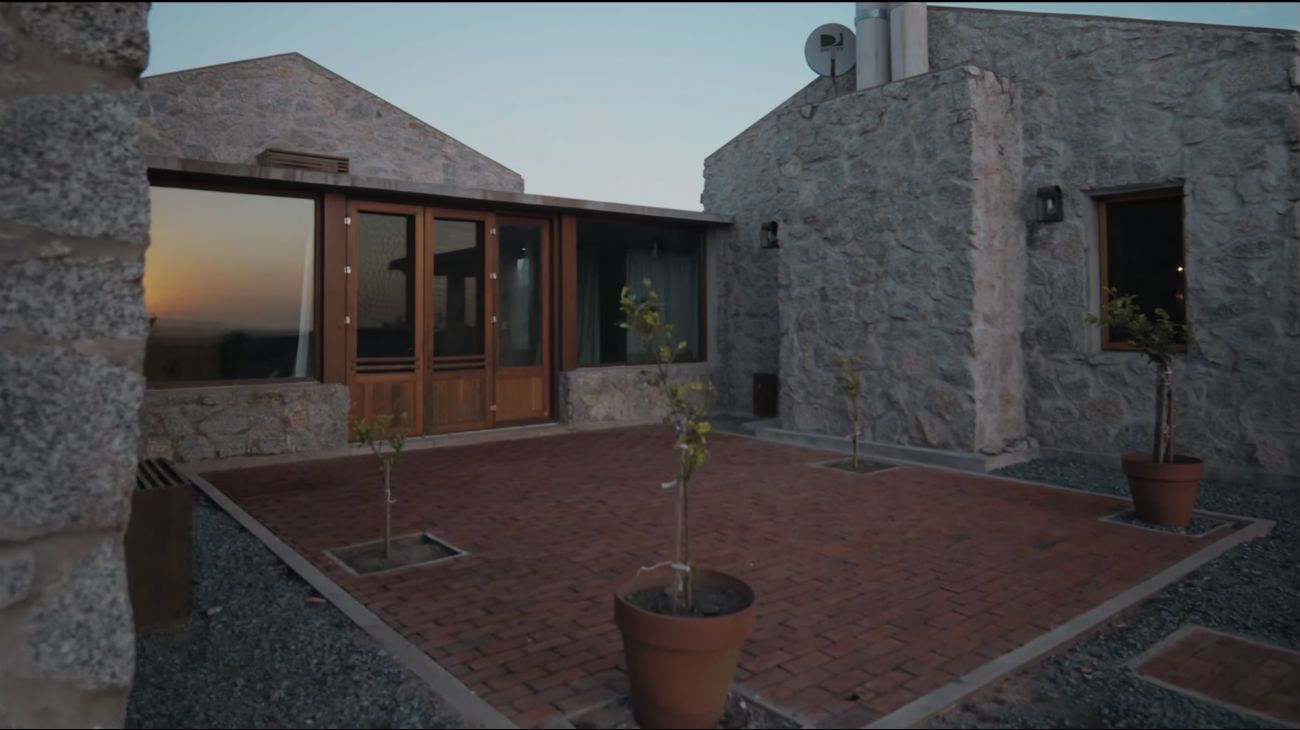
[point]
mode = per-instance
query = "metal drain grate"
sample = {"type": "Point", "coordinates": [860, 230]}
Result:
{"type": "Point", "coordinates": [158, 474]}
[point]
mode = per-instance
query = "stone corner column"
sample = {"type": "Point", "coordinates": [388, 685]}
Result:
{"type": "Point", "coordinates": [74, 221]}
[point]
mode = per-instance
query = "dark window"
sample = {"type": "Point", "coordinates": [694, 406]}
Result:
{"type": "Point", "coordinates": [612, 254]}
{"type": "Point", "coordinates": [230, 286]}
{"type": "Point", "coordinates": [1142, 254]}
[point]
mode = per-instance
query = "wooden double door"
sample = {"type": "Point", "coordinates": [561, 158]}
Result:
{"type": "Point", "coordinates": [448, 316]}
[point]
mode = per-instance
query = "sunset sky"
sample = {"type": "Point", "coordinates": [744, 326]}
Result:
{"type": "Point", "coordinates": [616, 102]}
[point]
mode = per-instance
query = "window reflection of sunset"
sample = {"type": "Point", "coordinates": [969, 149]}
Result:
{"type": "Point", "coordinates": [228, 260]}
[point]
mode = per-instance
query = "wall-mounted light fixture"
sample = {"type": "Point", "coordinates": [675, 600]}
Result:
{"type": "Point", "coordinates": [769, 235]}
{"type": "Point", "coordinates": [1049, 207]}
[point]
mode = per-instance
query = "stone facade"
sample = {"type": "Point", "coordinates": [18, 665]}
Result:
{"type": "Point", "coordinates": [616, 394]}
{"type": "Point", "coordinates": [234, 111]}
{"type": "Point", "coordinates": [1090, 104]}
{"type": "Point", "coordinates": [74, 222]}
{"type": "Point", "coordinates": [196, 424]}
{"type": "Point", "coordinates": [1108, 103]}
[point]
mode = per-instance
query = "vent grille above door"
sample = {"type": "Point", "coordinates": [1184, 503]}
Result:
{"type": "Point", "coordinates": [303, 161]}
{"type": "Point", "coordinates": [158, 474]}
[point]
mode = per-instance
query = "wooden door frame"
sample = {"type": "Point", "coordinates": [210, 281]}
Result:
{"type": "Point", "coordinates": [356, 379]}
{"type": "Point", "coordinates": [489, 223]}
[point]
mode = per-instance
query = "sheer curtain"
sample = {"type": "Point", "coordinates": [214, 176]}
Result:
{"type": "Point", "coordinates": [673, 275]}
{"type": "Point", "coordinates": [588, 306]}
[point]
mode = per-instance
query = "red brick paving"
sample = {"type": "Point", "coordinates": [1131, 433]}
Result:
{"type": "Point", "coordinates": [1229, 669]}
{"type": "Point", "coordinates": [873, 589]}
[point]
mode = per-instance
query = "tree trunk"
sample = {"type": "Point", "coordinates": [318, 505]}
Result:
{"type": "Point", "coordinates": [1158, 446]}
{"type": "Point", "coordinates": [1169, 412]}
{"type": "Point", "coordinates": [388, 515]}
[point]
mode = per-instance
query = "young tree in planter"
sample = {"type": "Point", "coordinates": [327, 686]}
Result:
{"type": "Point", "coordinates": [376, 434]}
{"type": "Point", "coordinates": [850, 382]}
{"type": "Point", "coordinates": [685, 413]}
{"type": "Point", "coordinates": [1156, 337]}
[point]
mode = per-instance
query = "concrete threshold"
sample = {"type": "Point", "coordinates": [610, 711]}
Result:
{"type": "Point", "coordinates": [916, 455]}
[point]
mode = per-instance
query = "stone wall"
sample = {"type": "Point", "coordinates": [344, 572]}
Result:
{"type": "Point", "coordinates": [891, 257]}
{"type": "Point", "coordinates": [1108, 103]}
{"type": "Point", "coordinates": [234, 111]}
{"type": "Point", "coordinates": [741, 181]}
{"type": "Point", "coordinates": [616, 394]}
{"type": "Point", "coordinates": [195, 424]}
{"type": "Point", "coordinates": [74, 221]}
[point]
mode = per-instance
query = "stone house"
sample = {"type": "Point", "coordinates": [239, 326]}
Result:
{"type": "Point", "coordinates": [911, 238]}
{"type": "Point", "coordinates": [318, 252]}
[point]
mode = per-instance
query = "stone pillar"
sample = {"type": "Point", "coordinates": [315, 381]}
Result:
{"type": "Point", "coordinates": [74, 221]}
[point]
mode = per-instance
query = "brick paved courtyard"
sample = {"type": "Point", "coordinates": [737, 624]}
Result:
{"type": "Point", "coordinates": [873, 590]}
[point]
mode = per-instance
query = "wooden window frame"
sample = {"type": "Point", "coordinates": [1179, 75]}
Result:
{"type": "Point", "coordinates": [183, 183]}
{"type": "Point", "coordinates": [1162, 193]}
{"type": "Point", "coordinates": [569, 292]}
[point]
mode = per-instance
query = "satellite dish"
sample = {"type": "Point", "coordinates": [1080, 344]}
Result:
{"type": "Point", "coordinates": [831, 50]}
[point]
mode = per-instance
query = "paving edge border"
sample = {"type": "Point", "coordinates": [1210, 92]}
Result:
{"type": "Point", "coordinates": [473, 709]}
{"type": "Point", "coordinates": [930, 704]}
{"type": "Point", "coordinates": [1181, 633]}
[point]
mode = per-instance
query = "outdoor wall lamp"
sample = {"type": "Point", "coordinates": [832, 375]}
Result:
{"type": "Point", "coordinates": [1049, 204]}
{"type": "Point", "coordinates": [769, 235]}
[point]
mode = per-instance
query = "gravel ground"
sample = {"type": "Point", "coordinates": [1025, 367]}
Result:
{"type": "Point", "coordinates": [258, 653]}
{"type": "Point", "coordinates": [1254, 590]}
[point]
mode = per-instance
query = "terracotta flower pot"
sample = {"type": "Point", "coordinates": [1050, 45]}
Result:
{"type": "Point", "coordinates": [1163, 494]}
{"type": "Point", "coordinates": [680, 668]}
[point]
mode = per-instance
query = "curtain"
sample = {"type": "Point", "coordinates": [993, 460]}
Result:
{"type": "Point", "coordinates": [673, 275]}
{"type": "Point", "coordinates": [588, 306]}
{"type": "Point", "coordinates": [306, 309]}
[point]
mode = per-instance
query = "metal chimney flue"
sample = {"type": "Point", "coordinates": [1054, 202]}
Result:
{"type": "Point", "coordinates": [871, 25]}
{"type": "Point", "coordinates": [909, 40]}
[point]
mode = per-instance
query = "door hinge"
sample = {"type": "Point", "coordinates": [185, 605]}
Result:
{"type": "Point", "coordinates": [347, 319]}
{"type": "Point", "coordinates": [494, 319]}
{"type": "Point", "coordinates": [493, 276]}
{"type": "Point", "coordinates": [492, 231]}
{"type": "Point", "coordinates": [492, 407]}
{"type": "Point", "coordinates": [347, 220]}
{"type": "Point", "coordinates": [347, 269]}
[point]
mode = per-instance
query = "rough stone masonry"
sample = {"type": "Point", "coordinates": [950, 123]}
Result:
{"type": "Point", "coordinates": [908, 239]}
{"type": "Point", "coordinates": [74, 223]}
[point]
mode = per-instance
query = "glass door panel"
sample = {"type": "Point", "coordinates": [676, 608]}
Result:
{"type": "Point", "coordinates": [523, 383]}
{"type": "Point", "coordinates": [458, 294]}
{"type": "Point", "coordinates": [520, 296]}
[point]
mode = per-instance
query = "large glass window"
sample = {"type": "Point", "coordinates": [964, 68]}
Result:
{"type": "Point", "coordinates": [230, 286]}
{"type": "Point", "coordinates": [613, 254]}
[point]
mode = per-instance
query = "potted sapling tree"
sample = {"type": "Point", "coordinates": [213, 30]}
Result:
{"type": "Point", "coordinates": [682, 626]}
{"type": "Point", "coordinates": [1162, 483]}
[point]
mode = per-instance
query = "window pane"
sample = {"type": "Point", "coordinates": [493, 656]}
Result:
{"type": "Point", "coordinates": [385, 285]}
{"type": "Point", "coordinates": [458, 297]}
{"type": "Point", "coordinates": [520, 295]}
{"type": "Point", "coordinates": [1144, 254]}
{"type": "Point", "coordinates": [614, 254]}
{"type": "Point", "coordinates": [229, 286]}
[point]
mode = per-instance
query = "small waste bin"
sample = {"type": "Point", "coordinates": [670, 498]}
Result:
{"type": "Point", "coordinates": [158, 540]}
{"type": "Point", "coordinates": [765, 395]}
